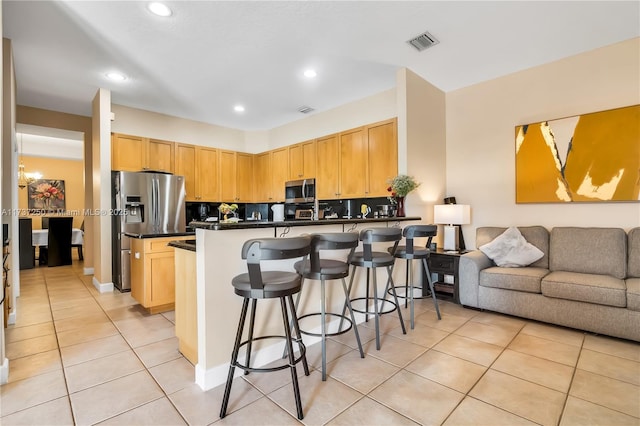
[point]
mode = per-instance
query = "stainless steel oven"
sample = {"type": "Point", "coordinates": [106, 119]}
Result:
{"type": "Point", "coordinates": [300, 191]}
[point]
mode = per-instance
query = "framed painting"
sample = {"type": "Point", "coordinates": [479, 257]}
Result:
{"type": "Point", "coordinates": [46, 195]}
{"type": "Point", "coordinates": [592, 157]}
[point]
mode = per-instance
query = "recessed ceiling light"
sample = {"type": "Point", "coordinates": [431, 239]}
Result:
{"type": "Point", "coordinates": [238, 108]}
{"type": "Point", "coordinates": [116, 76]}
{"type": "Point", "coordinates": [159, 9]}
{"type": "Point", "coordinates": [310, 73]}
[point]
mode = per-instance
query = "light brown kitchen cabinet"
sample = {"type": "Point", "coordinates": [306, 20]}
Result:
{"type": "Point", "coordinates": [186, 166]}
{"type": "Point", "coordinates": [382, 141]}
{"type": "Point", "coordinates": [328, 167]}
{"type": "Point", "coordinates": [262, 177]}
{"type": "Point", "coordinates": [357, 163]}
{"type": "Point", "coordinates": [302, 160]}
{"type": "Point", "coordinates": [153, 272]}
{"type": "Point", "coordinates": [279, 172]}
{"type": "Point", "coordinates": [199, 166]}
{"type": "Point", "coordinates": [160, 156]}
{"type": "Point", "coordinates": [353, 164]}
{"type": "Point", "coordinates": [135, 153]}
{"type": "Point", "coordinates": [236, 176]}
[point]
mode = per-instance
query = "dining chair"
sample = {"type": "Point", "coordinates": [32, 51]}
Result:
{"type": "Point", "coordinates": [59, 241]}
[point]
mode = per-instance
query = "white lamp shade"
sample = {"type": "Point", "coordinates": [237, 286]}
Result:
{"type": "Point", "coordinates": [452, 214]}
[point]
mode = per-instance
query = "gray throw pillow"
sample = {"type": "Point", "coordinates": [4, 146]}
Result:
{"type": "Point", "coordinates": [511, 250]}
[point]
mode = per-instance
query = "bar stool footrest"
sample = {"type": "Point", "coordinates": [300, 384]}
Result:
{"type": "Point", "coordinates": [301, 346]}
{"type": "Point", "coordinates": [334, 333]}
{"type": "Point", "coordinates": [412, 288]}
{"type": "Point", "coordinates": [371, 312]}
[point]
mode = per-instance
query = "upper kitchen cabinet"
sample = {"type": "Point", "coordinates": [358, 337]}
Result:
{"type": "Point", "coordinates": [302, 160]}
{"type": "Point", "coordinates": [353, 164]}
{"type": "Point", "coordinates": [160, 156]}
{"type": "Point", "coordinates": [236, 176]}
{"type": "Point", "coordinates": [328, 168]}
{"type": "Point", "coordinates": [357, 163]}
{"type": "Point", "coordinates": [382, 141]}
{"type": "Point", "coordinates": [279, 172]}
{"type": "Point", "coordinates": [199, 166]}
{"type": "Point", "coordinates": [270, 172]}
{"type": "Point", "coordinates": [135, 153]}
{"type": "Point", "coordinates": [262, 177]}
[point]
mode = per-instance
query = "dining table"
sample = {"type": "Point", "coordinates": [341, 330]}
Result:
{"type": "Point", "coordinates": [40, 237]}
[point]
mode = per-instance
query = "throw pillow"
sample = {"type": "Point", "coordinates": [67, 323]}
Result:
{"type": "Point", "coordinates": [511, 250]}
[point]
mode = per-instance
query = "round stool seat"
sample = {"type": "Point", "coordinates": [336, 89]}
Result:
{"type": "Point", "coordinates": [378, 259]}
{"type": "Point", "coordinates": [329, 269]}
{"type": "Point", "coordinates": [276, 284]}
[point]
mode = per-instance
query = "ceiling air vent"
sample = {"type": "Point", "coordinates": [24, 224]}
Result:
{"type": "Point", "coordinates": [305, 109]}
{"type": "Point", "coordinates": [423, 41]}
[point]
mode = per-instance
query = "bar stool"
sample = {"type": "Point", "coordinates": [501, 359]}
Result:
{"type": "Point", "coordinates": [258, 284]}
{"type": "Point", "coordinates": [329, 269]}
{"type": "Point", "coordinates": [410, 252]}
{"type": "Point", "coordinates": [370, 259]}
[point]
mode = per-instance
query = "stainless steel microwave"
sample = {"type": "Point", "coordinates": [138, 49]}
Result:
{"type": "Point", "coordinates": [300, 191]}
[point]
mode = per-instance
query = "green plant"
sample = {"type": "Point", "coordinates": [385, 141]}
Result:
{"type": "Point", "coordinates": [402, 185]}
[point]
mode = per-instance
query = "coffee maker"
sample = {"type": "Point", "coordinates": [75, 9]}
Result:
{"type": "Point", "coordinates": [203, 211]}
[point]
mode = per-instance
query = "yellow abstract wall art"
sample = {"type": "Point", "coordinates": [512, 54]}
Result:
{"type": "Point", "coordinates": [593, 157]}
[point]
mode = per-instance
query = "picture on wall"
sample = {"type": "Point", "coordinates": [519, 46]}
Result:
{"type": "Point", "coordinates": [46, 195]}
{"type": "Point", "coordinates": [587, 158]}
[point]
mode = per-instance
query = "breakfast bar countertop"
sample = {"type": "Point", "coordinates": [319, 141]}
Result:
{"type": "Point", "coordinates": [219, 226]}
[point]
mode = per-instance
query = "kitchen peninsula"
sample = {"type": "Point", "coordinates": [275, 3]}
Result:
{"type": "Point", "coordinates": [218, 260]}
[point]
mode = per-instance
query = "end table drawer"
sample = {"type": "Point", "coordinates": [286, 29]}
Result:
{"type": "Point", "coordinates": [441, 263]}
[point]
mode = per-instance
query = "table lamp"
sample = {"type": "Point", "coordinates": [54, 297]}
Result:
{"type": "Point", "coordinates": [451, 215]}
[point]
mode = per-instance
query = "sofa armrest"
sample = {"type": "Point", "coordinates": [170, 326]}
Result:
{"type": "Point", "coordinates": [469, 276]}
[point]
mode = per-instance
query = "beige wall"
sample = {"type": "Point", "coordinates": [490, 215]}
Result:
{"type": "Point", "coordinates": [371, 109]}
{"type": "Point", "coordinates": [421, 141]}
{"type": "Point", "coordinates": [480, 135]}
{"type": "Point", "coordinates": [71, 171]}
{"type": "Point", "coordinates": [149, 124]}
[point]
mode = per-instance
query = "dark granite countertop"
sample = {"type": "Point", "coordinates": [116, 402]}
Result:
{"type": "Point", "coordinates": [184, 244]}
{"type": "Point", "coordinates": [160, 235]}
{"type": "Point", "coordinates": [217, 226]}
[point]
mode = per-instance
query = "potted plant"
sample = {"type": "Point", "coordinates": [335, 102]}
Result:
{"type": "Point", "coordinates": [400, 186]}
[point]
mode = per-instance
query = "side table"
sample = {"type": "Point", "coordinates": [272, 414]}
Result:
{"type": "Point", "coordinates": [443, 263]}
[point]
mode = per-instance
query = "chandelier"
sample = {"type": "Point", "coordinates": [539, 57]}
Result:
{"type": "Point", "coordinates": [24, 178]}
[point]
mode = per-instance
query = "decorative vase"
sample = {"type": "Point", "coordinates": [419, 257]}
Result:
{"type": "Point", "coordinates": [400, 211]}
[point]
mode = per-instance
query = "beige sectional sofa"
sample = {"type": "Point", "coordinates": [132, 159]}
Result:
{"type": "Point", "coordinates": [588, 278]}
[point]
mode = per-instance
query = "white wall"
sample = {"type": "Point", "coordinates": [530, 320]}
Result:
{"type": "Point", "coordinates": [481, 121]}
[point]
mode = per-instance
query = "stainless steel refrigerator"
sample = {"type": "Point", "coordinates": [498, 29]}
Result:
{"type": "Point", "coordinates": [145, 204]}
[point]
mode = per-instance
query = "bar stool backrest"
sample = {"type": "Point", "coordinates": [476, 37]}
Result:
{"type": "Point", "coordinates": [419, 231]}
{"type": "Point", "coordinates": [331, 241]}
{"type": "Point", "coordinates": [256, 250]}
{"type": "Point", "coordinates": [378, 235]}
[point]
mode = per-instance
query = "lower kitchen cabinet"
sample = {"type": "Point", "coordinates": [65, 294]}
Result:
{"type": "Point", "coordinates": [153, 272]}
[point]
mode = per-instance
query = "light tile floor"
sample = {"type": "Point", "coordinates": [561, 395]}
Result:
{"type": "Point", "coordinates": [77, 356]}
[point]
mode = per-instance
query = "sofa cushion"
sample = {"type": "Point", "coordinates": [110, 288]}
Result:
{"type": "Point", "coordinates": [511, 250]}
{"type": "Point", "coordinates": [600, 251]}
{"type": "Point", "coordinates": [519, 279]}
{"type": "Point", "coordinates": [634, 253]}
{"type": "Point", "coordinates": [633, 293]}
{"type": "Point", "coordinates": [591, 288]}
{"type": "Point", "coordinates": [536, 235]}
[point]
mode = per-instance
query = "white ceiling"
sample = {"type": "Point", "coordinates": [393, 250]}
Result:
{"type": "Point", "coordinates": [210, 55]}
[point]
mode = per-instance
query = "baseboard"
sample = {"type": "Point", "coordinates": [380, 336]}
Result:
{"type": "Point", "coordinates": [11, 319]}
{"type": "Point", "coordinates": [88, 271]}
{"type": "Point", "coordinates": [102, 287]}
{"type": "Point", "coordinates": [4, 372]}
